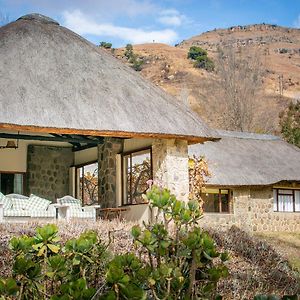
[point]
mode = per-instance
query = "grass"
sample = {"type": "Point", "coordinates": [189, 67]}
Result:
{"type": "Point", "coordinates": [287, 243]}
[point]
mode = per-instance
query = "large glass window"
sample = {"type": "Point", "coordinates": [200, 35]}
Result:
{"type": "Point", "coordinates": [87, 183]}
{"type": "Point", "coordinates": [286, 200]}
{"type": "Point", "coordinates": [216, 200]}
{"type": "Point", "coordinates": [137, 170]}
{"type": "Point", "coordinates": [12, 183]}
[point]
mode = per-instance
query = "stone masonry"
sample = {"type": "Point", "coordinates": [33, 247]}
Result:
{"type": "Point", "coordinates": [107, 170]}
{"type": "Point", "coordinates": [48, 171]}
{"type": "Point", "coordinates": [170, 166]}
{"type": "Point", "coordinates": [253, 211]}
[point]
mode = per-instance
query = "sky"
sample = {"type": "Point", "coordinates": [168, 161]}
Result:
{"type": "Point", "coordinates": [141, 21]}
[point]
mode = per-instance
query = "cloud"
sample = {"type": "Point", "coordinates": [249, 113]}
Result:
{"type": "Point", "coordinates": [172, 17]}
{"type": "Point", "coordinates": [82, 24]}
{"type": "Point", "coordinates": [297, 22]}
{"type": "Point", "coordinates": [106, 9]}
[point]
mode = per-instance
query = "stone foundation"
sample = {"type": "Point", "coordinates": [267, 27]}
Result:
{"type": "Point", "coordinates": [170, 166]}
{"type": "Point", "coordinates": [107, 170]}
{"type": "Point", "coordinates": [48, 171]}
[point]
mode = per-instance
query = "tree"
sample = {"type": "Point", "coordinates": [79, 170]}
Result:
{"type": "Point", "coordinates": [240, 84]}
{"type": "Point", "coordinates": [106, 45]}
{"type": "Point", "coordinates": [290, 123]}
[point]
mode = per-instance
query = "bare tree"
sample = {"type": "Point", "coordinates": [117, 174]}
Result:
{"type": "Point", "coordinates": [240, 83]}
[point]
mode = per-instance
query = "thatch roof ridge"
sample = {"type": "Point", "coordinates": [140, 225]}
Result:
{"type": "Point", "coordinates": [65, 83]}
{"type": "Point", "coordinates": [245, 159]}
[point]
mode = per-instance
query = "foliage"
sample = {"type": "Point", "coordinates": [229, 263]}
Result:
{"type": "Point", "coordinates": [44, 270]}
{"type": "Point", "coordinates": [198, 173]}
{"type": "Point", "coordinates": [290, 123]}
{"type": "Point", "coordinates": [201, 59]}
{"type": "Point", "coordinates": [273, 297]}
{"type": "Point", "coordinates": [176, 259]}
{"type": "Point", "coordinates": [135, 61]}
{"type": "Point", "coordinates": [106, 45]}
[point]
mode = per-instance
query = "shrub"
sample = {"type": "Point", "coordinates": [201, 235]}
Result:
{"type": "Point", "coordinates": [176, 259]}
{"type": "Point", "coordinates": [201, 59]}
{"type": "Point", "coordinates": [106, 45]}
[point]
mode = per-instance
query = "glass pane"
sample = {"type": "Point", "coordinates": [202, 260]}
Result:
{"type": "Point", "coordinates": [285, 192]}
{"type": "Point", "coordinates": [285, 203]}
{"type": "Point", "coordinates": [140, 174]}
{"type": "Point", "coordinates": [210, 202]}
{"type": "Point", "coordinates": [7, 183]}
{"type": "Point", "coordinates": [225, 202]}
{"type": "Point", "coordinates": [89, 183]}
{"type": "Point", "coordinates": [297, 200]}
{"type": "Point", "coordinates": [18, 184]}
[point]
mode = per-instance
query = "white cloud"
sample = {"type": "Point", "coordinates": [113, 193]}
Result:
{"type": "Point", "coordinates": [172, 17]}
{"type": "Point", "coordinates": [297, 22]}
{"type": "Point", "coordinates": [82, 24]}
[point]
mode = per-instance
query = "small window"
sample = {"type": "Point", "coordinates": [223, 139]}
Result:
{"type": "Point", "coordinates": [286, 200]}
{"type": "Point", "coordinates": [216, 200]}
{"type": "Point", "coordinates": [87, 183]}
{"type": "Point", "coordinates": [12, 183]}
{"type": "Point", "coordinates": [137, 170]}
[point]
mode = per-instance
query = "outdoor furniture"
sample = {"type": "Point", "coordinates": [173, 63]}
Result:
{"type": "Point", "coordinates": [114, 212]}
{"type": "Point", "coordinates": [17, 207]}
{"type": "Point", "coordinates": [69, 207]}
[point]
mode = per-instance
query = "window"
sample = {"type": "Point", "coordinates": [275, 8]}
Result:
{"type": "Point", "coordinates": [137, 170]}
{"type": "Point", "coordinates": [216, 200]}
{"type": "Point", "coordinates": [87, 183]}
{"type": "Point", "coordinates": [286, 200]}
{"type": "Point", "coordinates": [12, 183]}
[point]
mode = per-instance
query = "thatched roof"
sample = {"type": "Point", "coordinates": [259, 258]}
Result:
{"type": "Point", "coordinates": [53, 80]}
{"type": "Point", "coordinates": [249, 159]}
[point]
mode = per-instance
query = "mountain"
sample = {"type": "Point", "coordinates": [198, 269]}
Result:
{"type": "Point", "coordinates": [276, 48]}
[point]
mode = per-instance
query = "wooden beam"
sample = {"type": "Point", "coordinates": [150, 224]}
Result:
{"type": "Point", "coordinates": [57, 138]}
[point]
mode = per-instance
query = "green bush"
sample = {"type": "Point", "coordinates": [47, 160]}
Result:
{"type": "Point", "coordinates": [201, 59]}
{"type": "Point", "coordinates": [174, 259]}
{"type": "Point", "coordinates": [106, 45]}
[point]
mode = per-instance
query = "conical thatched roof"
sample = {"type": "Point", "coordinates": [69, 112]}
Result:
{"type": "Point", "coordinates": [52, 80]}
{"type": "Point", "coordinates": [240, 159]}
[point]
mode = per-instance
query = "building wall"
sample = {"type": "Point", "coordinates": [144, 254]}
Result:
{"type": "Point", "coordinates": [253, 211]}
{"type": "Point", "coordinates": [48, 171]}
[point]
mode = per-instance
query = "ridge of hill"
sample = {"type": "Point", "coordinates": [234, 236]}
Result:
{"type": "Point", "coordinates": [277, 48]}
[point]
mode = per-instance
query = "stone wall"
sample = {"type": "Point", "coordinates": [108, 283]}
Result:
{"type": "Point", "coordinates": [107, 170]}
{"type": "Point", "coordinates": [170, 166]}
{"type": "Point", "coordinates": [253, 211]}
{"type": "Point", "coordinates": [48, 171]}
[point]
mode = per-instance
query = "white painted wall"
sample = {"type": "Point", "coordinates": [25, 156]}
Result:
{"type": "Point", "coordinates": [85, 156]}
{"type": "Point", "coordinates": [138, 213]}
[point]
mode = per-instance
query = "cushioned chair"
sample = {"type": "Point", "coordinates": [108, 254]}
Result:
{"type": "Point", "coordinates": [70, 207]}
{"type": "Point", "coordinates": [19, 206]}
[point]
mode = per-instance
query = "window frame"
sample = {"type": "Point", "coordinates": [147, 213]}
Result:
{"type": "Point", "coordinates": [77, 187]}
{"type": "Point", "coordinates": [24, 186]}
{"type": "Point", "coordinates": [220, 202]}
{"type": "Point", "coordinates": [282, 194]}
{"type": "Point", "coordinates": [123, 154]}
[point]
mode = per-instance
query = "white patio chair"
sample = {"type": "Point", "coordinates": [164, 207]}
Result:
{"type": "Point", "coordinates": [69, 207]}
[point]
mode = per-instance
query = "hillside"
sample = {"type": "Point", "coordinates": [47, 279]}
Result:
{"type": "Point", "coordinates": [278, 51]}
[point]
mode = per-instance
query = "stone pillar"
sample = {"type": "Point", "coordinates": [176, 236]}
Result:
{"type": "Point", "coordinates": [170, 166]}
{"type": "Point", "coordinates": [107, 170]}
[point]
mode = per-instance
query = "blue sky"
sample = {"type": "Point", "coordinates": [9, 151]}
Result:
{"type": "Point", "coordinates": [140, 21]}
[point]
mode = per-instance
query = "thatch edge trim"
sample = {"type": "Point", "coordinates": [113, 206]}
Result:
{"type": "Point", "coordinates": [106, 133]}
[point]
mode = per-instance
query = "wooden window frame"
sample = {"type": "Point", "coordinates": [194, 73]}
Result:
{"type": "Point", "coordinates": [123, 154]}
{"type": "Point", "coordinates": [220, 202]}
{"type": "Point", "coordinates": [77, 167]}
{"type": "Point", "coordinates": [282, 194]}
